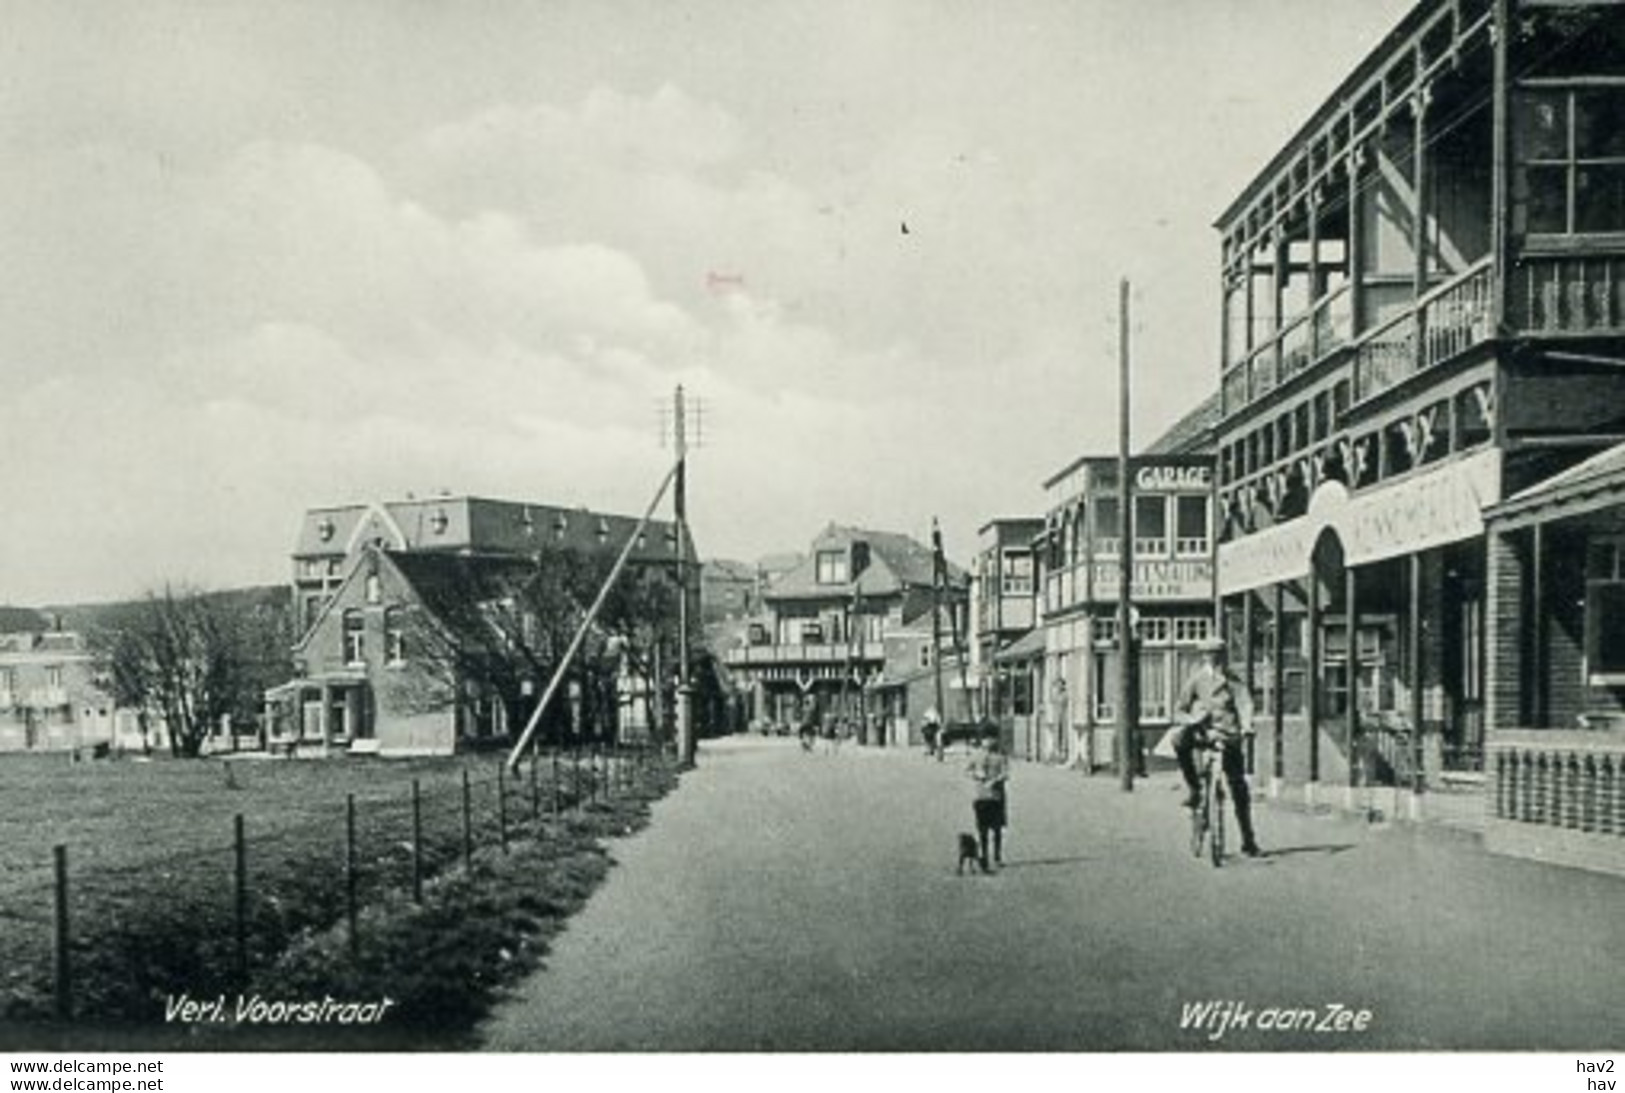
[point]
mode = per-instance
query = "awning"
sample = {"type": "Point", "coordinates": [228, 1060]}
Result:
{"type": "Point", "coordinates": [1026, 647]}
{"type": "Point", "coordinates": [1597, 483]}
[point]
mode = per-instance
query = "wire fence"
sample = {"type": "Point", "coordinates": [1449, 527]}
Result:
{"type": "Point", "coordinates": [113, 941]}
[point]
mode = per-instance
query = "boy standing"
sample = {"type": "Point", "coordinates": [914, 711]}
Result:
{"type": "Point", "coordinates": [989, 770]}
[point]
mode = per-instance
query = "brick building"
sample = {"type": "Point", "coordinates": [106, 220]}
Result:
{"type": "Point", "coordinates": [392, 598]}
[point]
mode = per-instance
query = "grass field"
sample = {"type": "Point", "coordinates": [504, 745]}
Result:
{"type": "Point", "coordinates": [151, 863]}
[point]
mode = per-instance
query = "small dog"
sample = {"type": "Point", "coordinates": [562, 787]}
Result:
{"type": "Point", "coordinates": [970, 851]}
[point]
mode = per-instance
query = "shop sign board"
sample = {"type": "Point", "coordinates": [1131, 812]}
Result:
{"type": "Point", "coordinates": [1185, 579]}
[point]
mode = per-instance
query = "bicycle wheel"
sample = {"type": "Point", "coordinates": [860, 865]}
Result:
{"type": "Point", "coordinates": [1216, 832]}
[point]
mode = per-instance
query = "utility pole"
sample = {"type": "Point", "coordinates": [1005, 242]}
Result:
{"type": "Point", "coordinates": [1127, 715]}
{"type": "Point", "coordinates": [685, 691]}
{"type": "Point", "coordinates": [939, 577]}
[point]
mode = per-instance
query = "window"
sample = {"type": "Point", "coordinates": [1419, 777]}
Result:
{"type": "Point", "coordinates": [1605, 611]}
{"type": "Point", "coordinates": [1018, 574]}
{"type": "Point", "coordinates": [53, 677]}
{"type": "Point", "coordinates": [394, 637]}
{"type": "Point", "coordinates": [1571, 160]}
{"type": "Point", "coordinates": [1190, 525]}
{"type": "Point", "coordinates": [1151, 525]}
{"type": "Point", "coordinates": [1474, 416]}
{"type": "Point", "coordinates": [354, 634]}
{"type": "Point", "coordinates": [1107, 684]}
{"type": "Point", "coordinates": [925, 656]}
{"type": "Point", "coordinates": [832, 567]}
{"type": "Point", "coordinates": [1190, 629]}
{"type": "Point", "coordinates": [1108, 526]}
{"type": "Point", "coordinates": [1155, 631]}
{"type": "Point", "coordinates": [1155, 692]}
{"type": "Point", "coordinates": [375, 589]}
{"type": "Point", "coordinates": [1104, 631]}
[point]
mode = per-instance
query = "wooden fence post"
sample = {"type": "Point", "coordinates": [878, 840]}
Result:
{"type": "Point", "coordinates": [468, 825]}
{"type": "Point", "coordinates": [240, 893]}
{"type": "Point", "coordinates": [417, 843]}
{"type": "Point", "coordinates": [350, 873]}
{"type": "Point", "coordinates": [502, 805]}
{"type": "Point", "coordinates": [64, 972]}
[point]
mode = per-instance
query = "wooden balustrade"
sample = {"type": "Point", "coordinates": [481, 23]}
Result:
{"type": "Point", "coordinates": [1558, 796]}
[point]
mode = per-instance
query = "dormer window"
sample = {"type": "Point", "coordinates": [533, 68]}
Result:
{"type": "Point", "coordinates": [832, 568]}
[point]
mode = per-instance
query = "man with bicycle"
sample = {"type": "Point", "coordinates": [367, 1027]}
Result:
{"type": "Point", "coordinates": [1214, 711]}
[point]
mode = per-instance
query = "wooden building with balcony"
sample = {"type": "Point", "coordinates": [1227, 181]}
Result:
{"type": "Point", "coordinates": [1171, 521]}
{"type": "Point", "coordinates": [1008, 648]}
{"type": "Point", "coordinates": [1423, 317]}
{"type": "Point", "coordinates": [818, 650]}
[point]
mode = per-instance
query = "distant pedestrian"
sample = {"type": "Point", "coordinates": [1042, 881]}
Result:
{"type": "Point", "coordinates": [931, 729]}
{"type": "Point", "coordinates": [989, 771]}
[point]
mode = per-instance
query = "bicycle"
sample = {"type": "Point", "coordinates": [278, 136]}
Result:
{"type": "Point", "coordinates": [1207, 818]}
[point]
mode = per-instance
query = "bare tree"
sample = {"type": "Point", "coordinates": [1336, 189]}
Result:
{"type": "Point", "coordinates": [497, 628]}
{"type": "Point", "coordinates": [190, 657]}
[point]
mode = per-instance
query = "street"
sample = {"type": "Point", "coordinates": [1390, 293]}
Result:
{"type": "Point", "coordinates": [787, 901]}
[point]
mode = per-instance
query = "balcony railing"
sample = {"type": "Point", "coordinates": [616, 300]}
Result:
{"type": "Point", "coordinates": [1451, 318]}
{"type": "Point", "coordinates": [1386, 356]}
{"type": "Point", "coordinates": [1569, 294]}
{"type": "Point", "coordinates": [1448, 320]}
{"type": "Point", "coordinates": [1559, 796]}
{"type": "Point", "coordinates": [801, 653]}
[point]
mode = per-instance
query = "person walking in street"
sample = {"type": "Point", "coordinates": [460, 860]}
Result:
{"type": "Point", "coordinates": [1214, 710]}
{"type": "Point", "coordinates": [931, 729]}
{"type": "Point", "coordinates": [989, 770]}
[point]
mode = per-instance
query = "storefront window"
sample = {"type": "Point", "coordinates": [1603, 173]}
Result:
{"type": "Point", "coordinates": [1605, 611]}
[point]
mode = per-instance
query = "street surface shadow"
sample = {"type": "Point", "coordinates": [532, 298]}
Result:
{"type": "Point", "coordinates": [1321, 848]}
{"type": "Point", "coordinates": [1030, 862]}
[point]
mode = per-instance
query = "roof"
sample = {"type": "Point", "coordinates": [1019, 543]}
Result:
{"type": "Point", "coordinates": [1369, 66]}
{"type": "Point", "coordinates": [479, 524]}
{"type": "Point", "coordinates": [447, 584]}
{"type": "Point", "coordinates": [1597, 482]}
{"type": "Point", "coordinates": [727, 569]}
{"type": "Point", "coordinates": [1193, 433]}
{"type": "Point", "coordinates": [896, 562]}
{"type": "Point", "coordinates": [1030, 644]}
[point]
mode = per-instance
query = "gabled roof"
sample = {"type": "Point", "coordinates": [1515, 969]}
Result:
{"type": "Point", "coordinates": [447, 584]}
{"type": "Point", "coordinates": [896, 562]}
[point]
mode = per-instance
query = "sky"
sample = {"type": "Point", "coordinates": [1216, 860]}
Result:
{"type": "Point", "coordinates": [261, 257]}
